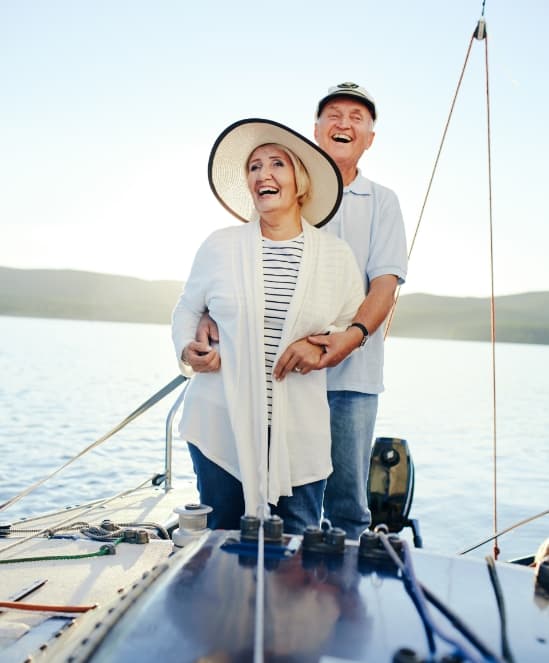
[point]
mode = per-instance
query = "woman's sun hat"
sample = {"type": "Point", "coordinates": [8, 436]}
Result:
{"type": "Point", "coordinates": [227, 169]}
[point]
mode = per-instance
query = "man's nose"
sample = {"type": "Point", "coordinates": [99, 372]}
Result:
{"type": "Point", "coordinates": [343, 122]}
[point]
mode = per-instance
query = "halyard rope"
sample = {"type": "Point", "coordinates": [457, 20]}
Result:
{"type": "Point", "coordinates": [484, 36]}
{"type": "Point", "coordinates": [260, 595]}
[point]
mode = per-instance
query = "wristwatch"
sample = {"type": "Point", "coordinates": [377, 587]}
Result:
{"type": "Point", "coordinates": [362, 329]}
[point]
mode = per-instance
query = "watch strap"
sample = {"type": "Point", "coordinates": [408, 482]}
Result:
{"type": "Point", "coordinates": [362, 329]}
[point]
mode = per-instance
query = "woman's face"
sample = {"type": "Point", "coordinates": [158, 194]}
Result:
{"type": "Point", "coordinates": [271, 180]}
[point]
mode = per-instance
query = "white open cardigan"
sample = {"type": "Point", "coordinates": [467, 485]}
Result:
{"type": "Point", "coordinates": [225, 413]}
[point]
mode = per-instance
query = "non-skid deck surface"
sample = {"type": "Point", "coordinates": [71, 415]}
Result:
{"type": "Point", "coordinates": [84, 581]}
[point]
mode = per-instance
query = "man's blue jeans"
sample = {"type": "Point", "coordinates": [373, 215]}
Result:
{"type": "Point", "coordinates": [224, 494]}
{"type": "Point", "coordinates": [352, 419]}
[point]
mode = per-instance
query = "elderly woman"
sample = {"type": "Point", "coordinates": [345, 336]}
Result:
{"type": "Point", "coordinates": [259, 445]}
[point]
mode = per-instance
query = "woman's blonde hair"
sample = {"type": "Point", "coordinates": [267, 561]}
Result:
{"type": "Point", "coordinates": [302, 180]}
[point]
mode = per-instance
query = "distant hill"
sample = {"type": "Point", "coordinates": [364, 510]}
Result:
{"type": "Point", "coordinates": [49, 293]}
{"type": "Point", "coordinates": [522, 318]}
{"type": "Point", "coordinates": [74, 294]}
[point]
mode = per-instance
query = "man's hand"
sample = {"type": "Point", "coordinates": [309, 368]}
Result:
{"type": "Point", "coordinates": [207, 331]}
{"type": "Point", "coordinates": [336, 346]}
{"type": "Point", "coordinates": [201, 357]}
{"type": "Point", "coordinates": [300, 357]}
{"type": "Point", "coordinates": [371, 313]}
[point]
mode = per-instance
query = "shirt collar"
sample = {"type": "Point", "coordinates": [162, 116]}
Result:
{"type": "Point", "coordinates": [360, 186]}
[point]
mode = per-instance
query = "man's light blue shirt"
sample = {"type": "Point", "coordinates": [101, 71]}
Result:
{"type": "Point", "coordinates": [370, 220]}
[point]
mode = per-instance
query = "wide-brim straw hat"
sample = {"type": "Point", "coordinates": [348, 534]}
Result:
{"type": "Point", "coordinates": [227, 169]}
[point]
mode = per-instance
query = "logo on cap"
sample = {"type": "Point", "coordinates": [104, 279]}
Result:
{"type": "Point", "coordinates": [347, 86]}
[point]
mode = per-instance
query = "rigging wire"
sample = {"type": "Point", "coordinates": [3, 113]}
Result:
{"type": "Point", "coordinates": [525, 521]}
{"type": "Point", "coordinates": [142, 408]}
{"type": "Point", "coordinates": [480, 34]}
{"type": "Point", "coordinates": [94, 505]}
{"type": "Point", "coordinates": [431, 179]}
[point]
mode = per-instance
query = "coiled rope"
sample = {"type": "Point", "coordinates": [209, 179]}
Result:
{"type": "Point", "coordinates": [63, 522]}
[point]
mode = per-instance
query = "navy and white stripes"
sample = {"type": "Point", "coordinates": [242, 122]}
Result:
{"type": "Point", "coordinates": [281, 262]}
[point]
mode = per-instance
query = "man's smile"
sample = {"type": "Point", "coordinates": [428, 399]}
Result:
{"type": "Point", "coordinates": [341, 138]}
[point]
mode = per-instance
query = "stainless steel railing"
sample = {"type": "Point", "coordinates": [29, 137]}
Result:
{"type": "Point", "coordinates": [140, 410]}
{"type": "Point", "coordinates": [169, 437]}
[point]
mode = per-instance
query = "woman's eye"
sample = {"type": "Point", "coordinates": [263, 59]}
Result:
{"type": "Point", "coordinates": [278, 162]}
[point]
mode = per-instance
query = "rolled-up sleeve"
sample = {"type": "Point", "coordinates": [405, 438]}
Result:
{"type": "Point", "coordinates": [351, 288]}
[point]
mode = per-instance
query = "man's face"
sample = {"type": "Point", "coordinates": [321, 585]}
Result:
{"type": "Point", "coordinates": [344, 130]}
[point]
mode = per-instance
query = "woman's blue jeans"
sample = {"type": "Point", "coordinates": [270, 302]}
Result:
{"type": "Point", "coordinates": [224, 494]}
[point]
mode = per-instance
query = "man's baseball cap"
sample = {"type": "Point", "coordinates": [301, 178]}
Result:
{"type": "Point", "coordinates": [351, 90]}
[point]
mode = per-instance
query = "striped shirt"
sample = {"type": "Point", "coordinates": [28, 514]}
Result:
{"type": "Point", "coordinates": [281, 261]}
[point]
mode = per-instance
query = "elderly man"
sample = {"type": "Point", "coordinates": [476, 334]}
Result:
{"type": "Point", "coordinates": [370, 220]}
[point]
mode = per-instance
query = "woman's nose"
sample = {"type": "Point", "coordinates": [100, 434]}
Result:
{"type": "Point", "coordinates": [265, 173]}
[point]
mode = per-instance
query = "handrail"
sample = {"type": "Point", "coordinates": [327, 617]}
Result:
{"type": "Point", "coordinates": [169, 436]}
{"type": "Point", "coordinates": [142, 408]}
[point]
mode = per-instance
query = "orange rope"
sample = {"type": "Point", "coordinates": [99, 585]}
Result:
{"type": "Point", "coordinates": [15, 605]}
{"type": "Point", "coordinates": [492, 302]}
{"type": "Point", "coordinates": [480, 33]}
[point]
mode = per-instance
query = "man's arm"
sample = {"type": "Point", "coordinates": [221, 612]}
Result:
{"type": "Point", "coordinates": [371, 313]}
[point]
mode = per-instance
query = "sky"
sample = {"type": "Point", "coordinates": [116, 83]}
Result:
{"type": "Point", "coordinates": [109, 108]}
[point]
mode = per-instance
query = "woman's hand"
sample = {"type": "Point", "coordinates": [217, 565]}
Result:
{"type": "Point", "coordinates": [299, 357]}
{"type": "Point", "coordinates": [201, 357]}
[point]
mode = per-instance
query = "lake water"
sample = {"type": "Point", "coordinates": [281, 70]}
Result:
{"type": "Point", "coordinates": [64, 383]}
